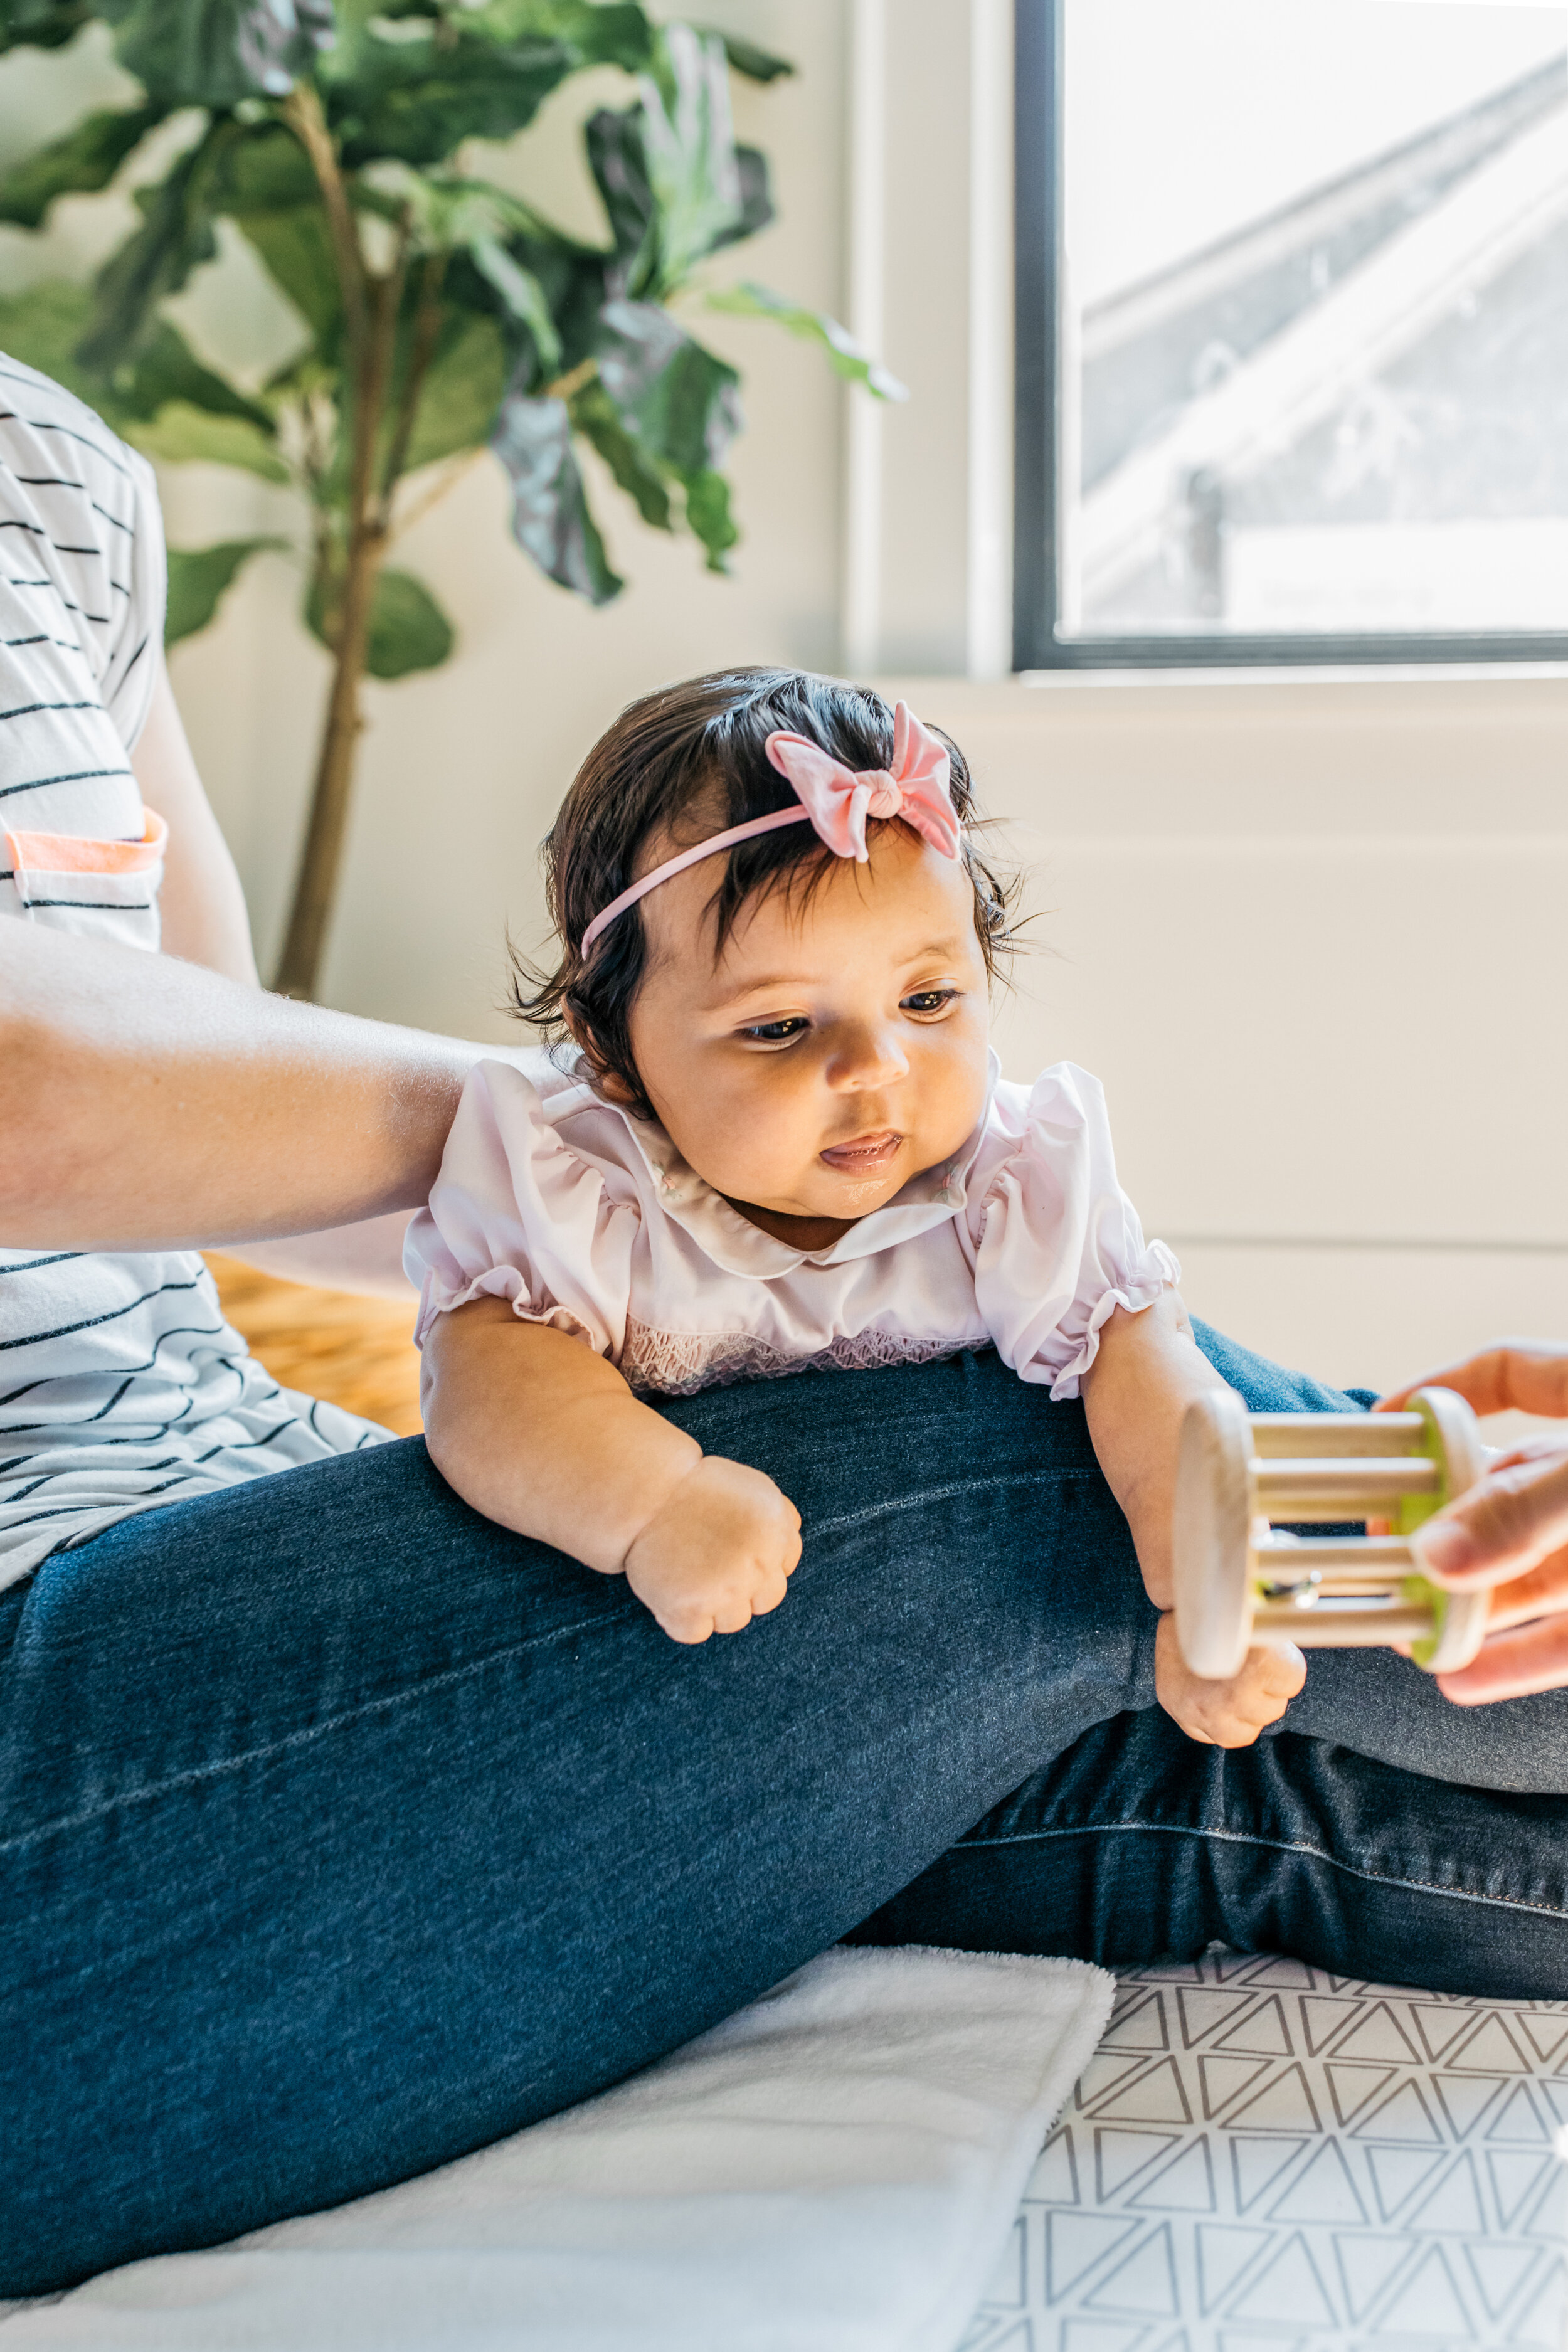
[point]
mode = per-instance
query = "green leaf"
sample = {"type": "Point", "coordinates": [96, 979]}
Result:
{"type": "Point", "coordinates": [596, 418]}
{"type": "Point", "coordinates": [175, 237]}
{"type": "Point", "coordinates": [42, 327]}
{"type": "Point", "coordinates": [689, 151]}
{"type": "Point", "coordinates": [749, 57]}
{"type": "Point", "coordinates": [297, 253]}
{"type": "Point", "coordinates": [462, 392]}
{"type": "Point", "coordinates": [408, 630]}
{"type": "Point", "coordinates": [84, 161]}
{"type": "Point", "coordinates": [42, 23]}
{"type": "Point", "coordinates": [602, 32]}
{"type": "Point", "coordinates": [418, 100]}
{"type": "Point", "coordinates": [615, 147]}
{"type": "Point", "coordinates": [198, 577]}
{"type": "Point", "coordinates": [262, 168]}
{"type": "Point", "coordinates": [217, 52]}
{"type": "Point", "coordinates": [679, 400]}
{"type": "Point", "coordinates": [551, 520]}
{"type": "Point", "coordinates": [183, 435]}
{"type": "Point", "coordinates": [521, 292]}
{"type": "Point", "coordinates": [169, 369]}
{"type": "Point", "coordinates": [708, 514]}
{"type": "Point", "coordinates": [844, 355]}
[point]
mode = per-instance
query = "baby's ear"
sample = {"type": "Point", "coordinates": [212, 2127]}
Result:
{"type": "Point", "coordinates": [611, 1085]}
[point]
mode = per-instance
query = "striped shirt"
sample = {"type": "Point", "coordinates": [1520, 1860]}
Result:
{"type": "Point", "coordinates": [121, 1386]}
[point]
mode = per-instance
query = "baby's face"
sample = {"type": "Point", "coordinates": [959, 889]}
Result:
{"type": "Point", "coordinates": [836, 1049]}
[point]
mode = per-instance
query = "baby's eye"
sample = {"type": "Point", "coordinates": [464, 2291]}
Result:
{"type": "Point", "coordinates": [777, 1033]}
{"type": "Point", "coordinates": [927, 1000]}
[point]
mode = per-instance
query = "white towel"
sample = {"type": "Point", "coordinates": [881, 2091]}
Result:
{"type": "Point", "coordinates": [835, 2169]}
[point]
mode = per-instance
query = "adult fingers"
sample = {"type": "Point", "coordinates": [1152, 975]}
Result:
{"type": "Point", "coordinates": [1511, 1520]}
{"type": "Point", "coordinates": [1512, 1375]}
{"type": "Point", "coordinates": [1511, 1665]}
{"type": "Point", "coordinates": [1541, 1591]}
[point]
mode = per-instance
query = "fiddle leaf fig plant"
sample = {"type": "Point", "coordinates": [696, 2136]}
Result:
{"type": "Point", "coordinates": [438, 315]}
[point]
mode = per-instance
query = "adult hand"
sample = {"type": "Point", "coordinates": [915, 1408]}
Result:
{"type": "Point", "coordinates": [1509, 1533]}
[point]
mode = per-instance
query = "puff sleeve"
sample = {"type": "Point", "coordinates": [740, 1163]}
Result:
{"type": "Point", "coordinates": [1059, 1246]}
{"type": "Point", "coordinates": [517, 1213]}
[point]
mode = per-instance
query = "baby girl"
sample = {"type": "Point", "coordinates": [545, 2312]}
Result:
{"type": "Point", "coordinates": [778, 1139]}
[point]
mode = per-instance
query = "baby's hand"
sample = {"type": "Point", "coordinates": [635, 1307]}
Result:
{"type": "Point", "coordinates": [718, 1553]}
{"type": "Point", "coordinates": [1226, 1714]}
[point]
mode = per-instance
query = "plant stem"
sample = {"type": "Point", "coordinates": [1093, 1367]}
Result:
{"type": "Point", "coordinates": [573, 381]}
{"type": "Point", "coordinates": [427, 329]}
{"type": "Point", "coordinates": [302, 113]}
{"type": "Point", "coordinates": [380, 301]}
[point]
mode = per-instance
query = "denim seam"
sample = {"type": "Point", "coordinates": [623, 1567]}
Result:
{"type": "Point", "coordinates": [300, 1739]}
{"type": "Point", "coordinates": [1279, 1845]}
{"type": "Point", "coordinates": [945, 1494]}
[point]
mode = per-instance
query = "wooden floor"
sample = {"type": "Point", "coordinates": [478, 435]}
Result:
{"type": "Point", "coordinates": [356, 1352]}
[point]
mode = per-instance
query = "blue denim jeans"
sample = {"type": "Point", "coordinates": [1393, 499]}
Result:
{"type": "Point", "coordinates": [343, 1831]}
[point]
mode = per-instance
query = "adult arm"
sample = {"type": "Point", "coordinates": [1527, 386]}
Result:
{"type": "Point", "coordinates": [200, 901]}
{"type": "Point", "coordinates": [148, 1104]}
{"type": "Point", "coordinates": [1509, 1533]}
{"type": "Point", "coordinates": [205, 921]}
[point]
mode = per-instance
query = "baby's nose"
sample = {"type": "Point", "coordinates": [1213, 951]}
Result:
{"type": "Point", "coordinates": [871, 1058]}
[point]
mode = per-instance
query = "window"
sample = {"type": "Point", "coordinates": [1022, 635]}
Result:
{"type": "Point", "coordinates": [1292, 331]}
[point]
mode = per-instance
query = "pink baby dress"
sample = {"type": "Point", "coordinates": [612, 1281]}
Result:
{"type": "Point", "coordinates": [587, 1217]}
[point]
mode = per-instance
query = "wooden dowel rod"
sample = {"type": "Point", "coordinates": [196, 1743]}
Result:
{"type": "Point", "coordinates": [1290, 1563]}
{"type": "Point", "coordinates": [1305, 1489]}
{"type": "Point", "coordinates": [1281, 1435]}
{"type": "Point", "coordinates": [1343, 1629]}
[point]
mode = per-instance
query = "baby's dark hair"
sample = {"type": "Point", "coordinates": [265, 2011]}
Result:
{"type": "Point", "coordinates": [685, 762]}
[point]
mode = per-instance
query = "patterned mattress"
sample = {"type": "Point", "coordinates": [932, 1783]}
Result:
{"type": "Point", "coordinates": [1262, 2157]}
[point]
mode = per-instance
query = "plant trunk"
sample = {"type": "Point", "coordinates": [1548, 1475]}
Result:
{"type": "Point", "coordinates": [321, 857]}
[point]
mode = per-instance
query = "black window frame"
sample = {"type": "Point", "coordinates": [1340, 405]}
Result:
{"type": "Point", "coordinates": [1037, 601]}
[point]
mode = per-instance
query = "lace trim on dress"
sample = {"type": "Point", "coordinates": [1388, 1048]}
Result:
{"type": "Point", "coordinates": [678, 1364]}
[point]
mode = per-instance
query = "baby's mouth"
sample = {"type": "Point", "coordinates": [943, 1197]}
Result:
{"type": "Point", "coordinates": [864, 1155]}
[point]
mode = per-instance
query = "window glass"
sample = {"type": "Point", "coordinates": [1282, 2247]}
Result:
{"type": "Point", "coordinates": [1314, 318]}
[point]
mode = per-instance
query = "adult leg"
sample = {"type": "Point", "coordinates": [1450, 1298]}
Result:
{"type": "Point", "coordinates": [1140, 1846]}
{"type": "Point", "coordinates": [1406, 1838]}
{"type": "Point", "coordinates": [342, 1832]}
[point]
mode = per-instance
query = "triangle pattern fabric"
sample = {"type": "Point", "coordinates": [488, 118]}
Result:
{"type": "Point", "coordinates": [1265, 2157]}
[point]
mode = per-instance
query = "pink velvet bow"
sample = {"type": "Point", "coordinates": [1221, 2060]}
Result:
{"type": "Point", "coordinates": [838, 801]}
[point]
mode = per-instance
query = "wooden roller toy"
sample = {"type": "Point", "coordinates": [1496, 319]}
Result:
{"type": "Point", "coordinates": [1240, 1578]}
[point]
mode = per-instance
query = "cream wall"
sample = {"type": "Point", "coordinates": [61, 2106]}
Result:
{"type": "Point", "coordinates": [1310, 934]}
{"type": "Point", "coordinates": [1308, 929]}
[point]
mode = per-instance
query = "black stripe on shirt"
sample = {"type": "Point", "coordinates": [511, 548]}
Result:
{"type": "Point", "coordinates": [96, 907]}
{"type": "Point", "coordinates": [132, 662]}
{"type": "Point", "coordinates": [77, 776]}
{"type": "Point", "coordinates": [111, 1315]}
{"type": "Point", "coordinates": [59, 482]}
{"type": "Point", "coordinates": [26, 709]}
{"type": "Point", "coordinates": [175, 1331]}
{"type": "Point", "coordinates": [125, 1505]}
{"type": "Point", "coordinates": [42, 424]}
{"type": "Point", "coordinates": [56, 1257]}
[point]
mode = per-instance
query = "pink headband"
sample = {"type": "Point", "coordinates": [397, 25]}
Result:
{"type": "Point", "coordinates": [836, 801]}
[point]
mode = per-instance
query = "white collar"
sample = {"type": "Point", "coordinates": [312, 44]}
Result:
{"type": "Point", "coordinates": [736, 1246]}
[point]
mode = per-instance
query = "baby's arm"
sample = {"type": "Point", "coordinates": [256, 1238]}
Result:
{"type": "Point", "coordinates": [1147, 1373]}
{"type": "Point", "coordinates": [542, 1434]}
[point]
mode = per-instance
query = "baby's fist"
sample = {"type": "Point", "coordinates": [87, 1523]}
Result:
{"type": "Point", "coordinates": [718, 1553]}
{"type": "Point", "coordinates": [1229, 1713]}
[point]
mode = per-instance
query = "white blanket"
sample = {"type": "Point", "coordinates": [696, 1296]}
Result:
{"type": "Point", "coordinates": [836, 2169]}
